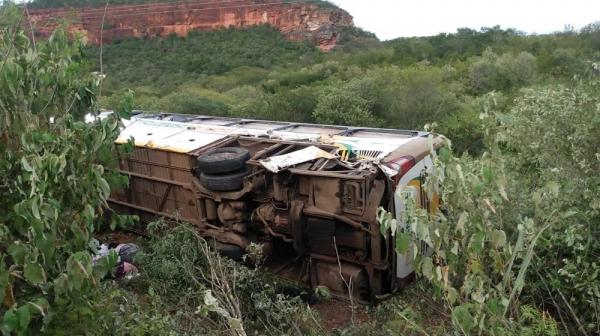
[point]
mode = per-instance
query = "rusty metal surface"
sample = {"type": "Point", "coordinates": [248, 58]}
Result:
{"type": "Point", "coordinates": [316, 218]}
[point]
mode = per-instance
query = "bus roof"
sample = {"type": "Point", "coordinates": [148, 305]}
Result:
{"type": "Point", "coordinates": [184, 133]}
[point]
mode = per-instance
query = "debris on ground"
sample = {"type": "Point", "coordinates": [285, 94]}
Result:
{"type": "Point", "coordinates": [125, 269]}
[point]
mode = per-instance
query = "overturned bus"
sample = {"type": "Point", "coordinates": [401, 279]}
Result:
{"type": "Point", "coordinates": [306, 194]}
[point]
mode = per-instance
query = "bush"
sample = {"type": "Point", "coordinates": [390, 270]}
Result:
{"type": "Point", "coordinates": [516, 224]}
{"type": "Point", "coordinates": [54, 184]}
{"type": "Point", "coordinates": [420, 95]}
{"type": "Point", "coordinates": [205, 292]}
{"type": "Point", "coordinates": [341, 106]}
{"type": "Point", "coordinates": [510, 71]}
{"type": "Point", "coordinates": [114, 310]}
{"type": "Point", "coordinates": [169, 62]}
{"type": "Point", "coordinates": [189, 99]}
{"type": "Point", "coordinates": [553, 132]}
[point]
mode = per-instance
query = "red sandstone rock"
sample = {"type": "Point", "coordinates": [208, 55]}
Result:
{"type": "Point", "coordinates": [298, 21]}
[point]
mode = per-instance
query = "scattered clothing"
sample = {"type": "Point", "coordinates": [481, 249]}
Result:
{"type": "Point", "coordinates": [126, 253]}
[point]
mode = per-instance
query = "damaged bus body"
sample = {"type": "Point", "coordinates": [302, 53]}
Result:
{"type": "Point", "coordinates": [308, 195]}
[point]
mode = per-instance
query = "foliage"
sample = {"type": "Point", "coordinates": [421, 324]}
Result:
{"type": "Point", "coordinates": [523, 208]}
{"type": "Point", "coordinates": [167, 62]}
{"type": "Point", "coordinates": [117, 310]}
{"type": "Point", "coordinates": [194, 100]}
{"type": "Point", "coordinates": [466, 43]}
{"type": "Point", "coordinates": [403, 83]}
{"type": "Point", "coordinates": [493, 72]}
{"type": "Point", "coordinates": [207, 293]}
{"type": "Point", "coordinates": [343, 106]}
{"type": "Point", "coordinates": [54, 183]}
{"type": "Point", "coordinates": [414, 312]}
{"type": "Point", "coordinates": [560, 150]}
{"type": "Point", "coordinates": [390, 97]}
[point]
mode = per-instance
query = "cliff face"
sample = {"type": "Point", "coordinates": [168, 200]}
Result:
{"type": "Point", "coordinates": [298, 21]}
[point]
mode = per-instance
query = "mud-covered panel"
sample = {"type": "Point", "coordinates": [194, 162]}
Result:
{"type": "Point", "coordinates": [161, 197]}
{"type": "Point", "coordinates": [342, 278]}
{"type": "Point", "coordinates": [353, 197]}
{"type": "Point", "coordinates": [326, 194]}
{"type": "Point", "coordinates": [160, 164]}
{"type": "Point", "coordinates": [321, 234]}
{"type": "Point", "coordinates": [304, 185]}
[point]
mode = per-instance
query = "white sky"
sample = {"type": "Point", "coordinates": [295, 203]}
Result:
{"type": "Point", "coordinates": [395, 18]}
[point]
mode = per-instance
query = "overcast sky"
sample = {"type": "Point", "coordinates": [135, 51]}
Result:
{"type": "Point", "coordinates": [395, 18]}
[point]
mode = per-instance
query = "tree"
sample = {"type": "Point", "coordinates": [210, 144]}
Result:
{"type": "Point", "coordinates": [339, 106]}
{"type": "Point", "coordinates": [54, 180]}
{"type": "Point", "coordinates": [517, 224]}
{"type": "Point", "coordinates": [506, 72]}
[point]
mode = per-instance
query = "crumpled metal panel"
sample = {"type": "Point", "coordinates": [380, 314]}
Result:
{"type": "Point", "coordinates": [278, 163]}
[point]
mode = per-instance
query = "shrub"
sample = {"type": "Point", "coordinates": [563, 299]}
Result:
{"type": "Point", "coordinates": [516, 224]}
{"type": "Point", "coordinates": [206, 293]}
{"type": "Point", "coordinates": [553, 132]}
{"type": "Point", "coordinates": [509, 71]}
{"type": "Point", "coordinates": [54, 183]}
{"type": "Point", "coordinates": [195, 100]}
{"type": "Point", "coordinates": [340, 106]}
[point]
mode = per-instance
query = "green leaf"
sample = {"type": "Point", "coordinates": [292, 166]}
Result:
{"type": "Point", "coordinates": [383, 225]}
{"type": "Point", "coordinates": [488, 174]}
{"type": "Point", "coordinates": [35, 209]}
{"type": "Point", "coordinates": [34, 273]}
{"type": "Point", "coordinates": [445, 154]}
{"type": "Point", "coordinates": [105, 264]}
{"type": "Point", "coordinates": [452, 295]}
{"type": "Point", "coordinates": [498, 238]}
{"type": "Point", "coordinates": [18, 251]}
{"type": "Point", "coordinates": [17, 319]}
{"type": "Point", "coordinates": [323, 292]}
{"type": "Point", "coordinates": [520, 281]}
{"type": "Point", "coordinates": [26, 165]}
{"type": "Point", "coordinates": [24, 317]}
{"type": "Point", "coordinates": [553, 188]}
{"type": "Point", "coordinates": [113, 223]}
{"type": "Point", "coordinates": [403, 240]}
{"type": "Point", "coordinates": [454, 248]}
{"type": "Point", "coordinates": [495, 306]}
{"type": "Point", "coordinates": [126, 105]}
{"type": "Point", "coordinates": [11, 320]}
{"type": "Point", "coordinates": [40, 305]}
{"type": "Point", "coordinates": [3, 279]}
{"type": "Point", "coordinates": [427, 268]}
{"type": "Point", "coordinates": [477, 242]}
{"type": "Point", "coordinates": [463, 318]}
{"type": "Point", "coordinates": [61, 285]}
{"type": "Point", "coordinates": [462, 220]}
{"type": "Point", "coordinates": [104, 187]}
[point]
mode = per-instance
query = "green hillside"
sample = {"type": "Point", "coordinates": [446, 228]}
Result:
{"type": "Point", "coordinates": [404, 83]}
{"type": "Point", "coordinates": [172, 61]}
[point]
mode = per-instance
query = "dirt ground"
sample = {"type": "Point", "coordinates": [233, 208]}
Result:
{"type": "Point", "coordinates": [117, 237]}
{"type": "Point", "coordinates": [337, 314]}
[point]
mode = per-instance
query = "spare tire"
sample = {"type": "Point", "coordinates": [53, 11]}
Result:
{"type": "Point", "coordinates": [223, 160]}
{"type": "Point", "coordinates": [224, 182]}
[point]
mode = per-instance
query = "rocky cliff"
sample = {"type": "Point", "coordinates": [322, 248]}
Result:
{"type": "Point", "coordinates": [297, 20]}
